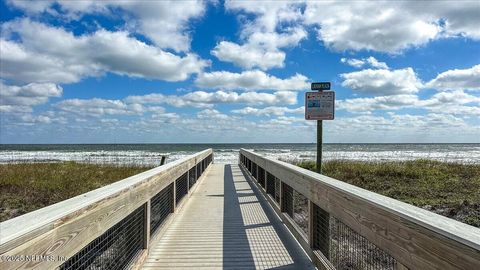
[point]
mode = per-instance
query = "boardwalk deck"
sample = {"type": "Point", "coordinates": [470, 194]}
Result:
{"type": "Point", "coordinates": [227, 224]}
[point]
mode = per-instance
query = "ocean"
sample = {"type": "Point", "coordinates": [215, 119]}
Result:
{"type": "Point", "coordinates": [150, 154]}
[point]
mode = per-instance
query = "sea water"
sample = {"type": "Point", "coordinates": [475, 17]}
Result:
{"type": "Point", "coordinates": [150, 154]}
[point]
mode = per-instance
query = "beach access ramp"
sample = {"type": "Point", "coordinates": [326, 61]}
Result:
{"type": "Point", "coordinates": [260, 213]}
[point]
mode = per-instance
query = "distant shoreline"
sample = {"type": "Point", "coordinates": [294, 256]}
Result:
{"type": "Point", "coordinates": [269, 143]}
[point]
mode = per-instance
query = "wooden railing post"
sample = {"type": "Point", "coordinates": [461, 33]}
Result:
{"type": "Point", "coordinates": [280, 194]}
{"type": "Point", "coordinates": [265, 178]}
{"type": "Point", "coordinates": [174, 196]}
{"type": "Point", "coordinates": [146, 237]}
{"type": "Point", "coordinates": [188, 182]}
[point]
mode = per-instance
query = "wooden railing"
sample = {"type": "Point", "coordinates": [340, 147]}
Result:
{"type": "Point", "coordinates": [108, 228]}
{"type": "Point", "coordinates": [346, 227]}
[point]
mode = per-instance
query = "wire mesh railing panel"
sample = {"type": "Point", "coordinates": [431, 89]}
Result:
{"type": "Point", "coordinates": [277, 189]}
{"type": "Point", "coordinates": [254, 171]}
{"type": "Point", "coordinates": [270, 185]}
{"type": "Point", "coordinates": [300, 211]}
{"type": "Point", "coordinates": [261, 176]}
{"type": "Point", "coordinates": [198, 174]}
{"type": "Point", "coordinates": [115, 249]}
{"type": "Point", "coordinates": [320, 230]}
{"type": "Point", "coordinates": [350, 250]}
{"type": "Point", "coordinates": [161, 206]}
{"type": "Point", "coordinates": [287, 199]}
{"type": "Point", "coordinates": [181, 187]}
{"type": "Point", "coordinates": [192, 177]}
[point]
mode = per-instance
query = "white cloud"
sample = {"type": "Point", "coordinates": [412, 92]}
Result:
{"type": "Point", "coordinates": [164, 117]}
{"type": "Point", "coordinates": [166, 23]}
{"type": "Point", "coordinates": [201, 99]}
{"type": "Point", "coordinates": [268, 111]}
{"type": "Point", "coordinates": [370, 61]}
{"type": "Point", "coordinates": [452, 97]}
{"type": "Point", "coordinates": [261, 50]}
{"type": "Point", "coordinates": [21, 99]}
{"type": "Point", "coordinates": [454, 102]}
{"type": "Point", "coordinates": [391, 26]}
{"type": "Point", "coordinates": [212, 114]}
{"type": "Point", "coordinates": [382, 81]}
{"type": "Point", "coordinates": [366, 105]}
{"type": "Point", "coordinates": [69, 58]}
{"type": "Point", "coordinates": [357, 63]}
{"type": "Point", "coordinates": [98, 107]}
{"type": "Point", "coordinates": [248, 55]}
{"type": "Point", "coordinates": [250, 80]}
{"type": "Point", "coordinates": [429, 121]}
{"type": "Point", "coordinates": [275, 26]}
{"type": "Point", "coordinates": [457, 79]}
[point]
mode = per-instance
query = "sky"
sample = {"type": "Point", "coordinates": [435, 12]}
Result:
{"type": "Point", "coordinates": [237, 71]}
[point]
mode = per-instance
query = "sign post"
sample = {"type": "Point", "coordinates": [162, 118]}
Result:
{"type": "Point", "coordinates": [320, 106]}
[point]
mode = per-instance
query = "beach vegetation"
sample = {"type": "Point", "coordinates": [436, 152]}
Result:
{"type": "Point", "coordinates": [446, 188]}
{"type": "Point", "coordinates": [26, 187]}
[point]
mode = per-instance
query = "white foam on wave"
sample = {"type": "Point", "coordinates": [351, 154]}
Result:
{"type": "Point", "coordinates": [230, 156]}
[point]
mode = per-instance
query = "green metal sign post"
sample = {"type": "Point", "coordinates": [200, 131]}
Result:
{"type": "Point", "coordinates": [320, 106]}
{"type": "Point", "coordinates": [319, 145]}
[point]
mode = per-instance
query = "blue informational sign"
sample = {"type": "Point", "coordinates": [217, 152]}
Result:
{"type": "Point", "coordinates": [320, 105]}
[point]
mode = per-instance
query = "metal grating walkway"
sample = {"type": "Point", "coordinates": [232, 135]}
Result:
{"type": "Point", "coordinates": [227, 225]}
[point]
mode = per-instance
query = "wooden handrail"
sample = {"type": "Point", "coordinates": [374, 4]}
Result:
{"type": "Point", "coordinates": [64, 228]}
{"type": "Point", "coordinates": [416, 238]}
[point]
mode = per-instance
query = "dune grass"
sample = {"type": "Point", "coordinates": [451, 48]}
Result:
{"type": "Point", "coordinates": [27, 187]}
{"type": "Point", "coordinates": [449, 189]}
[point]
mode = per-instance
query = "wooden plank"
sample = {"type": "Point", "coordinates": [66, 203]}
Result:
{"type": "Point", "coordinates": [317, 258]}
{"type": "Point", "coordinates": [415, 237]}
{"type": "Point", "coordinates": [231, 234]}
{"type": "Point", "coordinates": [66, 227]}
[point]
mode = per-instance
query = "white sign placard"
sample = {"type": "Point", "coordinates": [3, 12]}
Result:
{"type": "Point", "coordinates": [320, 105]}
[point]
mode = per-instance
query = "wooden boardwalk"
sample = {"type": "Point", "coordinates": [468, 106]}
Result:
{"type": "Point", "coordinates": [227, 224]}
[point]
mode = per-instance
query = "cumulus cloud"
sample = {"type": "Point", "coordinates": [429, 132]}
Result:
{"type": "Point", "coordinates": [250, 80]}
{"type": "Point", "coordinates": [166, 23]}
{"type": "Point", "coordinates": [370, 61]}
{"type": "Point", "coordinates": [382, 81]}
{"type": "Point", "coordinates": [367, 105]}
{"type": "Point", "coordinates": [21, 99]}
{"type": "Point", "coordinates": [262, 50]}
{"type": "Point", "coordinates": [248, 55]}
{"type": "Point", "coordinates": [275, 25]}
{"type": "Point", "coordinates": [69, 58]}
{"type": "Point", "coordinates": [98, 107]}
{"type": "Point", "coordinates": [201, 99]}
{"type": "Point", "coordinates": [457, 79]}
{"type": "Point", "coordinates": [268, 111]}
{"type": "Point", "coordinates": [454, 102]}
{"type": "Point", "coordinates": [390, 26]}
{"type": "Point", "coordinates": [212, 114]}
